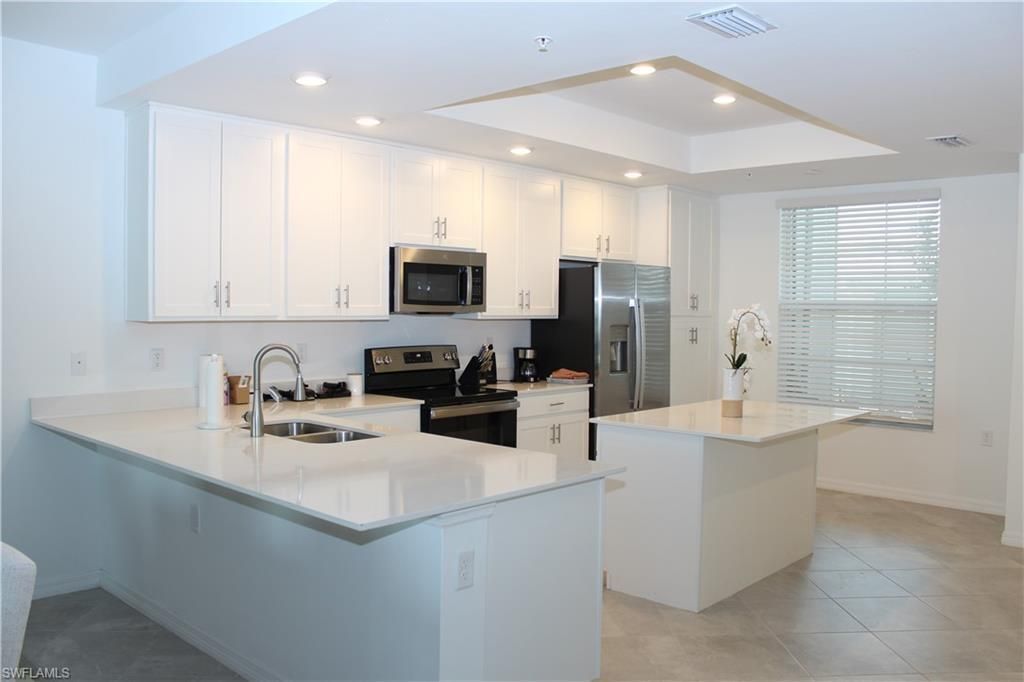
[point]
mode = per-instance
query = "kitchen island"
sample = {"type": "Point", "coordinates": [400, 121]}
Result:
{"type": "Point", "coordinates": [708, 505]}
{"type": "Point", "coordinates": [402, 557]}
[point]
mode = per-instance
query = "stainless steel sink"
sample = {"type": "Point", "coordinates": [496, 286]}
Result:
{"type": "Point", "coordinates": [308, 432]}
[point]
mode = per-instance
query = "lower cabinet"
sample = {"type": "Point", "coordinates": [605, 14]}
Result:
{"type": "Point", "coordinates": [558, 424]}
{"type": "Point", "coordinates": [692, 360]}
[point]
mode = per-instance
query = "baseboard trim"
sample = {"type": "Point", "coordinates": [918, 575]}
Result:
{"type": "Point", "coordinates": [197, 638]}
{"type": "Point", "coordinates": [1013, 539]}
{"type": "Point", "coordinates": [65, 584]}
{"type": "Point", "coordinates": [908, 495]}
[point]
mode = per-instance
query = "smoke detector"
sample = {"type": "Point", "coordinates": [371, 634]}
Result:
{"type": "Point", "coordinates": [951, 141]}
{"type": "Point", "coordinates": [731, 22]}
{"type": "Point", "coordinates": [543, 43]}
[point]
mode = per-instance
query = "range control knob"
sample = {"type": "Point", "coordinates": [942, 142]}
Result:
{"type": "Point", "coordinates": [387, 359]}
{"type": "Point", "coordinates": [447, 356]}
{"type": "Point", "coordinates": [378, 360]}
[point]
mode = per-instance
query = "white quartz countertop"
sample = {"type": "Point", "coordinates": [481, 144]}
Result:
{"type": "Point", "coordinates": [361, 485]}
{"type": "Point", "coordinates": [526, 388]}
{"type": "Point", "coordinates": [761, 421]}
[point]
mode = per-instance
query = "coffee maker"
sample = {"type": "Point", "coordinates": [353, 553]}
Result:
{"type": "Point", "coordinates": [524, 364]}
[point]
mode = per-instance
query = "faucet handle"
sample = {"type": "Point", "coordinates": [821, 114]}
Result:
{"type": "Point", "coordinates": [300, 387]}
{"type": "Point", "coordinates": [247, 416]}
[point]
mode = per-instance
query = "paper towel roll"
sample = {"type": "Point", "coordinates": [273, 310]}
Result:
{"type": "Point", "coordinates": [211, 391]}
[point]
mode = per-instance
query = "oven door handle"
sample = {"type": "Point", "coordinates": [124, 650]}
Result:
{"type": "Point", "coordinates": [470, 410]}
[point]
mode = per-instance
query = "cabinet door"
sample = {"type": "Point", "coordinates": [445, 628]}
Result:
{"type": "Point", "coordinates": [652, 227]}
{"type": "Point", "coordinates": [679, 222]}
{"type": "Point", "coordinates": [700, 261]}
{"type": "Point", "coordinates": [313, 229]}
{"type": "Point", "coordinates": [186, 215]}
{"type": "Point", "coordinates": [619, 220]}
{"type": "Point", "coordinates": [501, 242]}
{"type": "Point", "coordinates": [414, 218]}
{"type": "Point", "coordinates": [537, 435]}
{"type": "Point", "coordinates": [581, 220]}
{"type": "Point", "coordinates": [539, 243]}
{"type": "Point", "coordinates": [364, 230]}
{"type": "Point", "coordinates": [572, 441]}
{"type": "Point", "coordinates": [692, 365]}
{"type": "Point", "coordinates": [460, 204]}
{"type": "Point", "coordinates": [252, 220]}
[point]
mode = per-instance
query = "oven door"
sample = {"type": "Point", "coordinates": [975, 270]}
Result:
{"type": "Point", "coordinates": [493, 422]}
{"type": "Point", "coordinates": [435, 281]}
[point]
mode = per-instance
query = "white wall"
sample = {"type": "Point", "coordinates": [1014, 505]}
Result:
{"type": "Point", "coordinates": [1013, 530]}
{"type": "Point", "coordinates": [63, 292]}
{"type": "Point", "coordinates": [947, 466]}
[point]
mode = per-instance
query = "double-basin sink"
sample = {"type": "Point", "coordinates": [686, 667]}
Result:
{"type": "Point", "coordinates": [310, 432]}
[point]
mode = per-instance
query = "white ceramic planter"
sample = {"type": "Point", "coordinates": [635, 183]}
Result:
{"type": "Point", "coordinates": [732, 383]}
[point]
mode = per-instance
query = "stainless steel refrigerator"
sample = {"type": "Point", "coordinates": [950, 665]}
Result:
{"type": "Point", "coordinates": [613, 322]}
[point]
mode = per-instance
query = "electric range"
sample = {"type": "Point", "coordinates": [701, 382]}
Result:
{"type": "Point", "coordinates": [427, 373]}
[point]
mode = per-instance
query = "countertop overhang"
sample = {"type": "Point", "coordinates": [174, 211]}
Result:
{"type": "Point", "coordinates": [761, 422]}
{"type": "Point", "coordinates": [361, 485]}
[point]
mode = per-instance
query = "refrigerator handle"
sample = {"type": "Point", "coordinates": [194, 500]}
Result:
{"type": "Point", "coordinates": [636, 309]}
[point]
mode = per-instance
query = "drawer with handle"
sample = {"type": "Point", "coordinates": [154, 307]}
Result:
{"type": "Point", "coordinates": [542, 404]}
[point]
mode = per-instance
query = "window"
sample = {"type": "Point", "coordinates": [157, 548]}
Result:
{"type": "Point", "coordinates": [858, 299]}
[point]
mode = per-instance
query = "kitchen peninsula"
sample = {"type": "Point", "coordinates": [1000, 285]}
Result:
{"type": "Point", "coordinates": [708, 505]}
{"type": "Point", "coordinates": [408, 556]}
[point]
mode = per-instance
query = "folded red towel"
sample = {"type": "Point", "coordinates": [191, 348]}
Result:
{"type": "Point", "coordinates": [564, 373]}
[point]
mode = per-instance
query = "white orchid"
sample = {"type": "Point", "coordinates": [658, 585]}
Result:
{"type": "Point", "coordinates": [749, 319]}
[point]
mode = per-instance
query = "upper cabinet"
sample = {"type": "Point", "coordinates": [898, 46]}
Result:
{"type": "Point", "coordinates": [205, 209]}
{"type": "Point", "coordinates": [522, 216]}
{"type": "Point", "coordinates": [436, 201]}
{"type": "Point", "coordinates": [336, 228]}
{"type": "Point", "coordinates": [598, 221]}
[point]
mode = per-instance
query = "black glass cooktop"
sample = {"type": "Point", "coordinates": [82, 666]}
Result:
{"type": "Point", "coordinates": [435, 396]}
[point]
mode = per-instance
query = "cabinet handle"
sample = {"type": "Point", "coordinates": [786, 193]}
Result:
{"type": "Point", "coordinates": [348, 294]}
{"type": "Point", "coordinates": [608, 244]}
{"type": "Point", "coordinates": [552, 440]}
{"type": "Point", "coordinates": [561, 402]}
{"type": "Point", "coordinates": [337, 296]}
{"type": "Point", "coordinates": [693, 335]}
{"type": "Point", "coordinates": [227, 294]}
{"type": "Point", "coordinates": [599, 243]}
{"type": "Point", "coordinates": [528, 291]}
{"type": "Point", "coordinates": [694, 301]}
{"type": "Point", "coordinates": [520, 299]}
{"type": "Point", "coordinates": [437, 227]}
{"type": "Point", "coordinates": [444, 228]}
{"type": "Point", "coordinates": [216, 294]}
{"type": "Point", "coordinates": [558, 433]}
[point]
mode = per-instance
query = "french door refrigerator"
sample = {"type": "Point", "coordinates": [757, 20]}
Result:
{"type": "Point", "coordinates": [613, 322]}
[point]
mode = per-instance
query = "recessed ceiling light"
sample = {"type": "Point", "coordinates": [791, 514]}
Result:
{"type": "Point", "coordinates": [642, 70]}
{"type": "Point", "coordinates": [724, 99]}
{"type": "Point", "coordinates": [368, 121]}
{"type": "Point", "coordinates": [633, 174]}
{"type": "Point", "coordinates": [520, 150]}
{"type": "Point", "coordinates": [310, 79]}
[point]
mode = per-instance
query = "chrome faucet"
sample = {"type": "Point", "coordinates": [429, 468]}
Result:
{"type": "Point", "coordinates": [256, 403]}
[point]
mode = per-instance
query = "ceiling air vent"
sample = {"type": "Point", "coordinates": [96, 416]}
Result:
{"type": "Point", "coordinates": [951, 141]}
{"type": "Point", "coordinates": [731, 22]}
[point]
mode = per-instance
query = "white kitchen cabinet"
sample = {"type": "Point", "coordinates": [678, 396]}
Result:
{"type": "Point", "coordinates": [618, 218]}
{"type": "Point", "coordinates": [522, 214]}
{"type": "Point", "coordinates": [693, 352]}
{"type": "Point", "coordinates": [252, 220]}
{"type": "Point", "coordinates": [692, 232]}
{"type": "Point", "coordinates": [186, 172]}
{"type": "Point", "coordinates": [436, 201]}
{"type": "Point", "coordinates": [555, 421]}
{"type": "Point", "coordinates": [598, 221]}
{"type": "Point", "coordinates": [314, 225]}
{"type": "Point", "coordinates": [652, 227]}
{"type": "Point", "coordinates": [205, 213]}
{"type": "Point", "coordinates": [337, 228]}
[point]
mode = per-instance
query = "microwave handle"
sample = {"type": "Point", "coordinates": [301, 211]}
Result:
{"type": "Point", "coordinates": [465, 285]}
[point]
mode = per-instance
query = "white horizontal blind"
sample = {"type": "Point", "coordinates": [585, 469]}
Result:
{"type": "Point", "coordinates": [858, 298]}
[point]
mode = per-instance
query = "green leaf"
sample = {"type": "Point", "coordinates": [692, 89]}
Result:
{"type": "Point", "coordinates": [740, 359]}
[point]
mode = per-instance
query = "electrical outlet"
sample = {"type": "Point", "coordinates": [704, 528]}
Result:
{"type": "Point", "coordinates": [193, 519]}
{"type": "Point", "coordinates": [986, 438]}
{"type": "Point", "coordinates": [303, 350]}
{"type": "Point", "coordinates": [464, 579]}
{"type": "Point", "coordinates": [156, 359]}
{"type": "Point", "coordinates": [78, 364]}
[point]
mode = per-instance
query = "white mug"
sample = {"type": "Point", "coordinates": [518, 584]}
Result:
{"type": "Point", "coordinates": [354, 381]}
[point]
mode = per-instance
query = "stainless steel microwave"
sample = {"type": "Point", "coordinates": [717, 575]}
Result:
{"type": "Point", "coordinates": [437, 281]}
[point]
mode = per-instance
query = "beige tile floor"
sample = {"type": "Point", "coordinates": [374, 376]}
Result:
{"type": "Point", "coordinates": [893, 592]}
